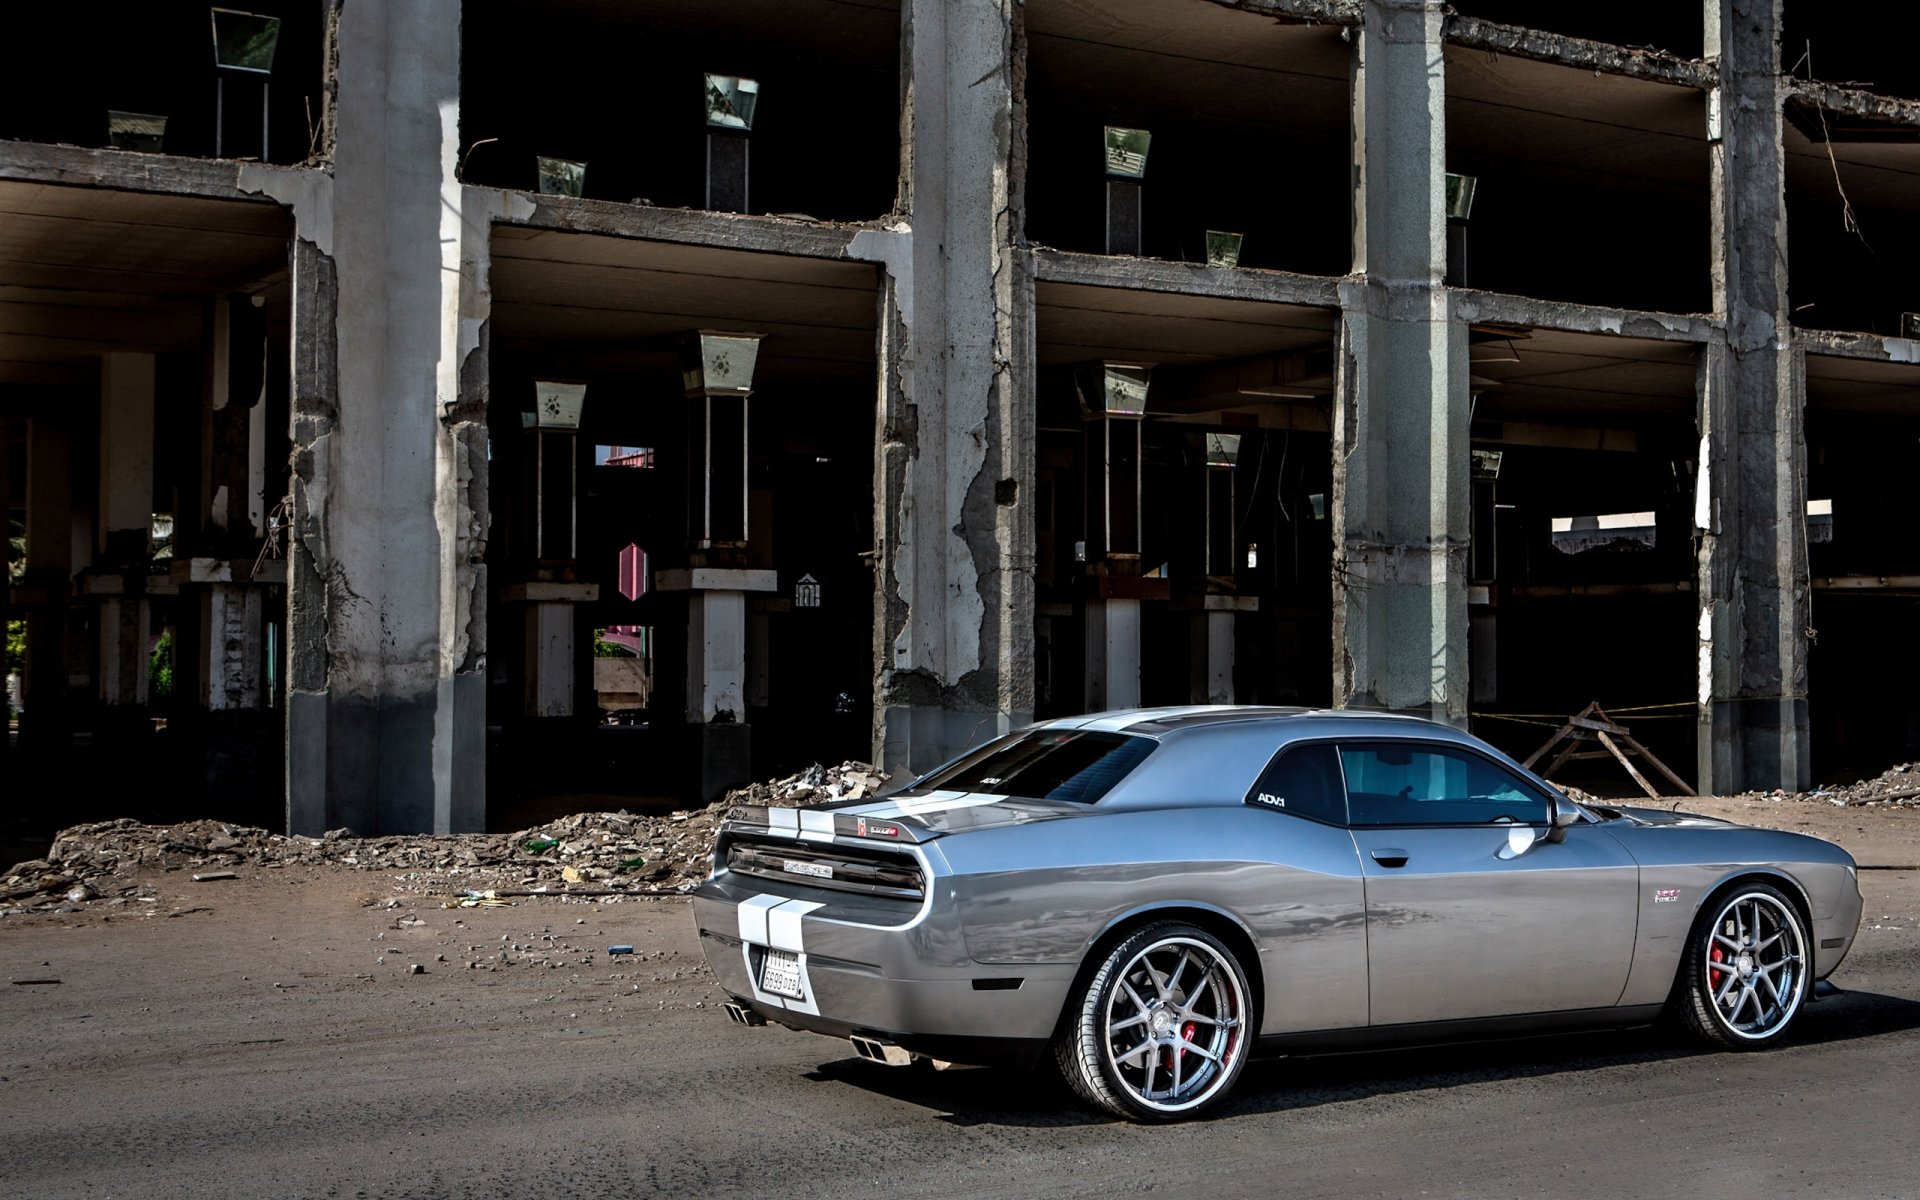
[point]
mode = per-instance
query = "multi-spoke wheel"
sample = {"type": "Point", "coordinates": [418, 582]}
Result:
{"type": "Point", "coordinates": [1745, 975]}
{"type": "Point", "coordinates": [1162, 1028]}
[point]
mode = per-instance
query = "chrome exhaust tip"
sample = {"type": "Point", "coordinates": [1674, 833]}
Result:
{"type": "Point", "coordinates": [884, 1053]}
{"type": "Point", "coordinates": [744, 1015]}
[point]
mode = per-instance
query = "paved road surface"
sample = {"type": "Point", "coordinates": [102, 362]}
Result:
{"type": "Point", "coordinates": [269, 1046]}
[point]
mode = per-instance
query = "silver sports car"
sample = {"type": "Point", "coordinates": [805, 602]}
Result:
{"type": "Point", "coordinates": [1152, 896]}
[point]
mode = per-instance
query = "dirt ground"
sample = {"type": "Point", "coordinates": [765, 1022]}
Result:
{"type": "Point", "coordinates": [329, 1030]}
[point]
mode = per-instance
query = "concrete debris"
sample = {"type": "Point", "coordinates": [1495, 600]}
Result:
{"type": "Point", "coordinates": [594, 855]}
{"type": "Point", "coordinates": [1896, 787]}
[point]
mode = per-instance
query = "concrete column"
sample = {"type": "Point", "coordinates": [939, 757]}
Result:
{"type": "Point", "coordinates": [1113, 653]}
{"type": "Point", "coordinates": [124, 535]}
{"type": "Point", "coordinates": [954, 471]}
{"type": "Point", "coordinates": [717, 670]}
{"type": "Point", "coordinates": [1400, 499]}
{"type": "Point", "coordinates": [1210, 645]}
{"type": "Point", "coordinates": [1750, 498]}
{"type": "Point", "coordinates": [551, 666]}
{"type": "Point", "coordinates": [233, 637]}
{"type": "Point", "coordinates": [48, 580]}
{"type": "Point", "coordinates": [386, 707]}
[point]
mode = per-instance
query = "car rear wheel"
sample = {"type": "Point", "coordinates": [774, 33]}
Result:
{"type": "Point", "coordinates": [1746, 971]}
{"type": "Point", "coordinates": [1161, 1030]}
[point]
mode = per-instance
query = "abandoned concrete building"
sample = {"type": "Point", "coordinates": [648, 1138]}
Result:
{"type": "Point", "coordinates": [416, 410]}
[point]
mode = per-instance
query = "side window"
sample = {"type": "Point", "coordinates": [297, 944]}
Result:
{"type": "Point", "coordinates": [1401, 784]}
{"type": "Point", "coordinates": [1304, 780]}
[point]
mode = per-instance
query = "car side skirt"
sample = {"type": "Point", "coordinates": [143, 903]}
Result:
{"type": "Point", "coordinates": [1439, 1033]}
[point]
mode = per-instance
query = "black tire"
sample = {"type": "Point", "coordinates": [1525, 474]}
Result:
{"type": "Point", "coordinates": [1186, 994]}
{"type": "Point", "coordinates": [1745, 975]}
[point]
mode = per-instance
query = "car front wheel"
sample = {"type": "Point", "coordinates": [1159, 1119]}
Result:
{"type": "Point", "coordinates": [1746, 971]}
{"type": "Point", "coordinates": [1161, 1030]}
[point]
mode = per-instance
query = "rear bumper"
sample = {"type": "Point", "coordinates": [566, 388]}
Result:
{"type": "Point", "coordinates": [911, 984]}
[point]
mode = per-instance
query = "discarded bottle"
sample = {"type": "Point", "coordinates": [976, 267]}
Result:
{"type": "Point", "coordinates": [540, 845]}
{"type": "Point", "coordinates": [619, 949]}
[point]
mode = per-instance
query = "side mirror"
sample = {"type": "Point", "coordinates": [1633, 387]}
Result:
{"type": "Point", "coordinates": [1562, 814]}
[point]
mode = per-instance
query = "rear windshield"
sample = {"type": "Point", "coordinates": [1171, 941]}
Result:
{"type": "Point", "coordinates": [1046, 764]}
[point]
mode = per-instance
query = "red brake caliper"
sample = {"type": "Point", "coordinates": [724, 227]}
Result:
{"type": "Point", "coordinates": [1713, 976]}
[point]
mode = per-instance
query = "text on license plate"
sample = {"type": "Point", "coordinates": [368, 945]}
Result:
{"type": "Point", "coordinates": [817, 870]}
{"type": "Point", "coordinates": [780, 974]}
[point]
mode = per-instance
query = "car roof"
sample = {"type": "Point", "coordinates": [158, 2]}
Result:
{"type": "Point", "coordinates": [1159, 722]}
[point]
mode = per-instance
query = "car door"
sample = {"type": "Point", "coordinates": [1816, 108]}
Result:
{"type": "Point", "coordinates": [1471, 911]}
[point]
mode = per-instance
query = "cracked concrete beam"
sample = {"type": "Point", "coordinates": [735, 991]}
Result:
{"type": "Point", "coordinates": [1314, 12]}
{"type": "Point", "coordinates": [1499, 308]}
{"type": "Point", "coordinates": [1180, 278]}
{"type": "Point", "coordinates": [730, 231]}
{"type": "Point", "coordinates": [1870, 347]}
{"type": "Point", "coordinates": [1657, 65]}
{"type": "Point", "coordinates": [127, 171]}
{"type": "Point", "coordinates": [1855, 102]}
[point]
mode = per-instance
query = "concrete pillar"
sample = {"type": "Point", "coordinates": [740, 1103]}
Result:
{"type": "Point", "coordinates": [233, 638]}
{"type": "Point", "coordinates": [1210, 645]}
{"type": "Point", "coordinates": [1113, 653]}
{"type": "Point", "coordinates": [954, 470]}
{"type": "Point", "coordinates": [124, 535]}
{"type": "Point", "coordinates": [386, 707]}
{"type": "Point", "coordinates": [717, 670]}
{"type": "Point", "coordinates": [48, 580]}
{"type": "Point", "coordinates": [551, 668]}
{"type": "Point", "coordinates": [1400, 500]}
{"type": "Point", "coordinates": [1750, 505]}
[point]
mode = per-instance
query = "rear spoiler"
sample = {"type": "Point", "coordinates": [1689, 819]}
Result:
{"type": "Point", "coordinates": [815, 824]}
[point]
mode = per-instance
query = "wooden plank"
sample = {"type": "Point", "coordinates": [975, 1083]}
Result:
{"type": "Point", "coordinates": [1638, 778]}
{"type": "Point", "coordinates": [1659, 766]}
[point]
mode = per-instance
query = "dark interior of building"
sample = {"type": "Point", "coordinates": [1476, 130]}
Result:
{"type": "Point", "coordinates": [620, 86]}
{"type": "Point", "coordinates": [810, 480]}
{"type": "Point", "coordinates": [71, 64]}
{"type": "Point", "coordinates": [1249, 126]}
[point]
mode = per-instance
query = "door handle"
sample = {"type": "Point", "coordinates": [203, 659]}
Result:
{"type": "Point", "coordinates": [1390, 856]}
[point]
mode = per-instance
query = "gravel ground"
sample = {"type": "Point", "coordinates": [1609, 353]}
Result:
{"type": "Point", "coordinates": [320, 1028]}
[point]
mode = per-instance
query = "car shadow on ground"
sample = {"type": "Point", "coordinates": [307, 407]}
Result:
{"type": "Point", "coordinates": [1038, 1098]}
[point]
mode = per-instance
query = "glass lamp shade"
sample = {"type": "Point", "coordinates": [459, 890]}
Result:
{"type": "Point", "coordinates": [244, 41]}
{"type": "Point", "coordinates": [719, 364]}
{"type": "Point", "coordinates": [731, 101]}
{"type": "Point", "coordinates": [1114, 389]}
{"type": "Point", "coordinates": [1223, 249]}
{"type": "Point", "coordinates": [557, 405]}
{"type": "Point", "coordinates": [136, 131]}
{"type": "Point", "coordinates": [1460, 189]}
{"type": "Point", "coordinates": [561, 176]}
{"type": "Point", "coordinates": [1127, 152]}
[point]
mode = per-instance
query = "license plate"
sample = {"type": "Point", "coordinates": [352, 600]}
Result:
{"type": "Point", "coordinates": [780, 974]}
{"type": "Point", "coordinates": [816, 870]}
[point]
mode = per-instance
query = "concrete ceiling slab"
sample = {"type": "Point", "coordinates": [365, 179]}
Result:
{"type": "Point", "coordinates": [1075, 323]}
{"type": "Point", "coordinates": [1858, 385]}
{"type": "Point", "coordinates": [584, 302]}
{"type": "Point", "coordinates": [1188, 62]}
{"type": "Point", "coordinates": [83, 271]}
{"type": "Point", "coordinates": [833, 31]}
{"type": "Point", "coordinates": [1879, 176]}
{"type": "Point", "coordinates": [1574, 377]}
{"type": "Point", "coordinates": [1544, 121]}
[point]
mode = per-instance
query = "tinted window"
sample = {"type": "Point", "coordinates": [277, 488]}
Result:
{"type": "Point", "coordinates": [1305, 781]}
{"type": "Point", "coordinates": [1402, 784]}
{"type": "Point", "coordinates": [1047, 764]}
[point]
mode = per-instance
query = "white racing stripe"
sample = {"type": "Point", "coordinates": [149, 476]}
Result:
{"type": "Point", "coordinates": [753, 917]}
{"type": "Point", "coordinates": [776, 922]}
{"type": "Point", "coordinates": [816, 826]}
{"type": "Point", "coordinates": [783, 820]}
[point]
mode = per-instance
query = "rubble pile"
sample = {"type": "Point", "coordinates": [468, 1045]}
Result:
{"type": "Point", "coordinates": [1896, 787]}
{"type": "Point", "coordinates": [586, 853]}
